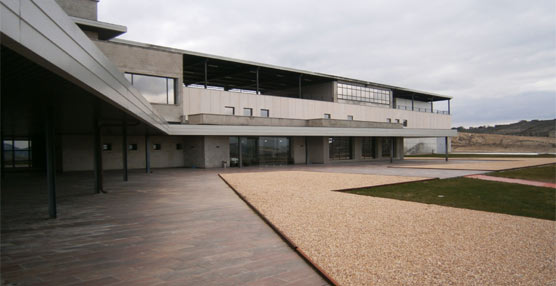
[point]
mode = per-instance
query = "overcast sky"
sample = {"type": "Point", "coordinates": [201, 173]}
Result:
{"type": "Point", "coordinates": [496, 58]}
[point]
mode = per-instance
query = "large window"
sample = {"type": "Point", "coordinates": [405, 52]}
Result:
{"type": "Point", "coordinates": [368, 147]}
{"type": "Point", "coordinates": [364, 94]}
{"type": "Point", "coordinates": [387, 146]}
{"type": "Point", "coordinates": [17, 153]}
{"type": "Point", "coordinates": [155, 89]}
{"type": "Point", "coordinates": [339, 148]}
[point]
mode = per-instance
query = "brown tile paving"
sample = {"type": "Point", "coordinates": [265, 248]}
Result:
{"type": "Point", "coordinates": [172, 227]}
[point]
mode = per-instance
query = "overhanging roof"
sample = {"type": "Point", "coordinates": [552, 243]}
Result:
{"type": "Point", "coordinates": [228, 130]}
{"type": "Point", "coordinates": [106, 31]}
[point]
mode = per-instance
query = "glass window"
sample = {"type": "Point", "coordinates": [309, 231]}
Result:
{"type": "Point", "coordinates": [132, 147]}
{"type": "Point", "coordinates": [157, 147]}
{"type": "Point", "coordinates": [17, 153]}
{"type": "Point", "coordinates": [327, 116]}
{"type": "Point", "coordinates": [368, 147]}
{"type": "Point", "coordinates": [350, 117]}
{"type": "Point", "coordinates": [248, 111]}
{"type": "Point", "coordinates": [155, 89]}
{"type": "Point", "coordinates": [389, 120]}
{"type": "Point", "coordinates": [230, 110]}
{"type": "Point", "coordinates": [265, 113]}
{"type": "Point", "coordinates": [179, 146]}
{"type": "Point", "coordinates": [405, 122]}
{"type": "Point", "coordinates": [234, 152]}
{"type": "Point", "coordinates": [106, 147]}
{"type": "Point", "coordinates": [397, 121]}
{"type": "Point", "coordinates": [386, 147]}
{"type": "Point", "coordinates": [364, 93]}
{"type": "Point", "coordinates": [339, 148]}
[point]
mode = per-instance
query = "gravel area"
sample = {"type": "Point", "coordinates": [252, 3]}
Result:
{"type": "Point", "coordinates": [484, 164]}
{"type": "Point", "coordinates": [361, 240]}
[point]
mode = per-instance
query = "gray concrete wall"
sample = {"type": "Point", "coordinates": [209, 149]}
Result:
{"type": "Point", "coordinates": [86, 9]}
{"type": "Point", "coordinates": [77, 153]}
{"type": "Point", "coordinates": [194, 152]}
{"type": "Point", "coordinates": [318, 150]}
{"type": "Point", "coordinates": [140, 60]}
{"type": "Point", "coordinates": [298, 150]}
{"type": "Point", "coordinates": [217, 149]}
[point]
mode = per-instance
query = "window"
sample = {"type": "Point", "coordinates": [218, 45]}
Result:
{"type": "Point", "coordinates": [397, 121]}
{"type": "Point", "coordinates": [132, 147]}
{"type": "Point", "coordinates": [157, 147]}
{"type": "Point", "coordinates": [154, 88]}
{"type": "Point", "coordinates": [107, 147]}
{"type": "Point", "coordinates": [248, 111]}
{"type": "Point", "coordinates": [405, 122]}
{"type": "Point", "coordinates": [350, 117]}
{"type": "Point", "coordinates": [339, 148]}
{"type": "Point", "coordinates": [179, 146]}
{"type": "Point", "coordinates": [386, 147]}
{"type": "Point", "coordinates": [17, 153]}
{"type": "Point", "coordinates": [327, 116]}
{"type": "Point", "coordinates": [389, 120]}
{"type": "Point", "coordinates": [230, 110]}
{"type": "Point", "coordinates": [365, 94]}
{"type": "Point", "coordinates": [368, 147]}
{"type": "Point", "coordinates": [265, 113]}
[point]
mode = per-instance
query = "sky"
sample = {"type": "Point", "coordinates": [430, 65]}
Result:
{"type": "Point", "coordinates": [497, 59]}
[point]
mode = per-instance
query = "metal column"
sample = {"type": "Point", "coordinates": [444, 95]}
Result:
{"type": "Point", "coordinates": [300, 85]}
{"type": "Point", "coordinates": [392, 149]}
{"type": "Point", "coordinates": [432, 110]}
{"type": "Point", "coordinates": [147, 155]}
{"type": "Point", "coordinates": [50, 162]}
{"type": "Point", "coordinates": [449, 112]}
{"type": "Point", "coordinates": [258, 80]}
{"type": "Point", "coordinates": [124, 147]}
{"type": "Point", "coordinates": [306, 152]}
{"type": "Point", "coordinates": [446, 146]}
{"type": "Point", "coordinates": [412, 102]}
{"type": "Point", "coordinates": [240, 155]}
{"type": "Point", "coordinates": [206, 73]}
{"type": "Point", "coordinates": [98, 151]}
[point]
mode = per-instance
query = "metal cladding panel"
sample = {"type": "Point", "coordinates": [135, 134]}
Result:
{"type": "Point", "coordinates": [44, 29]}
{"type": "Point", "coordinates": [225, 130]}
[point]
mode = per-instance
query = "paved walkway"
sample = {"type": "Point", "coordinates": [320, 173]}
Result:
{"type": "Point", "coordinates": [513, 181]}
{"type": "Point", "coordinates": [173, 227]}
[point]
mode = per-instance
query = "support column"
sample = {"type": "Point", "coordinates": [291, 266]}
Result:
{"type": "Point", "coordinates": [412, 102]}
{"type": "Point", "coordinates": [50, 162]}
{"type": "Point", "coordinates": [98, 151]}
{"type": "Point", "coordinates": [124, 147]}
{"type": "Point", "coordinates": [258, 80]}
{"type": "Point", "coordinates": [300, 85]}
{"type": "Point", "coordinates": [432, 110]}
{"type": "Point", "coordinates": [147, 154]}
{"type": "Point", "coordinates": [446, 146]}
{"type": "Point", "coordinates": [206, 73]}
{"type": "Point", "coordinates": [240, 155]}
{"type": "Point", "coordinates": [449, 112]}
{"type": "Point", "coordinates": [392, 149]}
{"type": "Point", "coordinates": [306, 152]}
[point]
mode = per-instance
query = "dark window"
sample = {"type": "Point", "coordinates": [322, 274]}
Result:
{"type": "Point", "coordinates": [350, 117]}
{"type": "Point", "coordinates": [230, 110]}
{"type": "Point", "coordinates": [234, 152]}
{"type": "Point", "coordinates": [339, 148]}
{"type": "Point", "coordinates": [386, 147]}
{"type": "Point", "coordinates": [265, 113]}
{"type": "Point", "coordinates": [107, 147]}
{"type": "Point", "coordinates": [368, 147]}
{"type": "Point", "coordinates": [248, 111]}
{"type": "Point", "coordinates": [363, 93]}
{"type": "Point", "coordinates": [179, 146]}
{"type": "Point", "coordinates": [154, 88]}
{"type": "Point", "coordinates": [389, 120]}
{"type": "Point", "coordinates": [405, 122]}
{"type": "Point", "coordinates": [132, 147]}
{"type": "Point", "coordinates": [157, 147]}
{"type": "Point", "coordinates": [17, 153]}
{"type": "Point", "coordinates": [327, 116]}
{"type": "Point", "coordinates": [397, 121]}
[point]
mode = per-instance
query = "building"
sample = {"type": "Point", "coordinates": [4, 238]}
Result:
{"type": "Point", "coordinates": [76, 98]}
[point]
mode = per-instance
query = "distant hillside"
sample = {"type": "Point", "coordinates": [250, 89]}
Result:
{"type": "Point", "coordinates": [537, 128]}
{"type": "Point", "coordinates": [471, 142]}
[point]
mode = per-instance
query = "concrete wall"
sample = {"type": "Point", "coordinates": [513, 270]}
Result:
{"type": "Point", "coordinates": [86, 9]}
{"type": "Point", "coordinates": [197, 100]}
{"type": "Point", "coordinates": [217, 149]}
{"type": "Point", "coordinates": [77, 152]}
{"type": "Point", "coordinates": [298, 150]}
{"type": "Point", "coordinates": [140, 60]}
{"type": "Point", "coordinates": [194, 152]}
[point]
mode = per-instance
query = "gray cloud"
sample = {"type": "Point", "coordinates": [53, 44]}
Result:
{"type": "Point", "coordinates": [482, 53]}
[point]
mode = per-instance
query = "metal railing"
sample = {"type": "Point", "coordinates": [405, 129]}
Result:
{"type": "Point", "coordinates": [422, 109]}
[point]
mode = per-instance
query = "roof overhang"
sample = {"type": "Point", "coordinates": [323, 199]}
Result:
{"type": "Point", "coordinates": [229, 130]}
{"type": "Point", "coordinates": [106, 31]}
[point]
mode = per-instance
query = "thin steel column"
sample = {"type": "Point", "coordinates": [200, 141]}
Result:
{"type": "Point", "coordinates": [258, 80]}
{"type": "Point", "coordinates": [306, 152]}
{"type": "Point", "coordinates": [50, 162]}
{"type": "Point", "coordinates": [432, 110]}
{"type": "Point", "coordinates": [124, 147]}
{"type": "Point", "coordinates": [300, 85]}
{"type": "Point", "coordinates": [206, 73]}
{"type": "Point", "coordinates": [392, 149]}
{"type": "Point", "coordinates": [412, 102]}
{"type": "Point", "coordinates": [449, 112]}
{"type": "Point", "coordinates": [98, 151]}
{"type": "Point", "coordinates": [240, 155]}
{"type": "Point", "coordinates": [147, 154]}
{"type": "Point", "coordinates": [446, 145]}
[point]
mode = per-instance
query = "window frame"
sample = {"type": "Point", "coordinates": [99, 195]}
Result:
{"type": "Point", "coordinates": [167, 80]}
{"type": "Point", "coordinates": [267, 112]}
{"type": "Point", "coordinates": [250, 111]}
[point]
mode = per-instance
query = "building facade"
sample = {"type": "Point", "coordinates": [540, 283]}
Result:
{"type": "Point", "coordinates": [118, 104]}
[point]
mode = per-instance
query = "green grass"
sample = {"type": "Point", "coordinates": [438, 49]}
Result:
{"type": "Point", "coordinates": [474, 194]}
{"type": "Point", "coordinates": [540, 173]}
{"type": "Point", "coordinates": [480, 156]}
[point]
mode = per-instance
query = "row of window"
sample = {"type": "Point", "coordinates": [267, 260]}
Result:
{"type": "Point", "coordinates": [404, 122]}
{"type": "Point", "coordinates": [341, 148]}
{"type": "Point", "coordinates": [133, 147]}
{"type": "Point", "coordinates": [154, 88]}
{"type": "Point", "coordinates": [230, 110]}
{"type": "Point", "coordinates": [327, 116]}
{"type": "Point", "coordinates": [364, 94]}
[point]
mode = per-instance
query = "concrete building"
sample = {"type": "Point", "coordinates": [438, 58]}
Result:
{"type": "Point", "coordinates": [76, 98]}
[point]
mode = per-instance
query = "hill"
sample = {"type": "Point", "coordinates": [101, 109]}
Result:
{"type": "Point", "coordinates": [472, 142]}
{"type": "Point", "coordinates": [537, 128]}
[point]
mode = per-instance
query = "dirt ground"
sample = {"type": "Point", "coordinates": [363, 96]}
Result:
{"type": "Point", "coordinates": [472, 142]}
{"type": "Point", "coordinates": [361, 240]}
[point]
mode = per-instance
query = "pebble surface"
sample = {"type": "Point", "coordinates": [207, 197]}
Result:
{"type": "Point", "coordinates": [362, 240]}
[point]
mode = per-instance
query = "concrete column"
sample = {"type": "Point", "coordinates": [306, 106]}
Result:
{"type": "Point", "coordinates": [147, 154]}
{"type": "Point", "coordinates": [50, 162]}
{"type": "Point", "coordinates": [97, 151]}
{"type": "Point", "coordinates": [446, 146]}
{"type": "Point", "coordinates": [124, 148]}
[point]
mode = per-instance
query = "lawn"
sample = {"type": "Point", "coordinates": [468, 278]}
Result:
{"type": "Point", "coordinates": [540, 173]}
{"type": "Point", "coordinates": [474, 194]}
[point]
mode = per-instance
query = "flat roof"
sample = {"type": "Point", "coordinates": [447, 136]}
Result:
{"type": "Point", "coordinates": [191, 58]}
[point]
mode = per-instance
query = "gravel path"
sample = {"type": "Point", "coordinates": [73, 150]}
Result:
{"type": "Point", "coordinates": [485, 164]}
{"type": "Point", "coordinates": [361, 240]}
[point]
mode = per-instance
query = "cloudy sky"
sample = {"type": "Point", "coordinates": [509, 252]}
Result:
{"type": "Point", "coordinates": [496, 58]}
